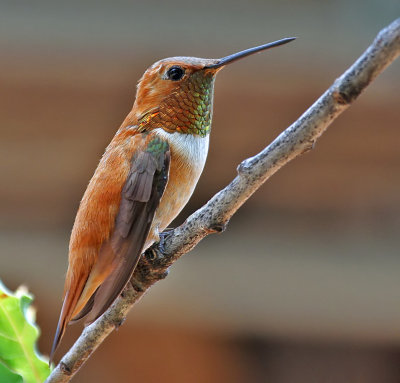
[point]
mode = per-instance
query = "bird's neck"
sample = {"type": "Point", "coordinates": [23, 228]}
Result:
{"type": "Point", "coordinates": [187, 110]}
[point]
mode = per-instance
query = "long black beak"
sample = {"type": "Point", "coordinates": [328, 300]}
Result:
{"type": "Point", "coordinates": [237, 56]}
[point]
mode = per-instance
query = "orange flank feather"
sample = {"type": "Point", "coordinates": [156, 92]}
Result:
{"type": "Point", "coordinates": [95, 219]}
{"type": "Point", "coordinates": [96, 245]}
{"type": "Point", "coordinates": [94, 224]}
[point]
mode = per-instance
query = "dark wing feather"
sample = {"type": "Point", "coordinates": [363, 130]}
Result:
{"type": "Point", "coordinates": [140, 198]}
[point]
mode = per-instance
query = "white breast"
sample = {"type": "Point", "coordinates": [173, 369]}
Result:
{"type": "Point", "coordinates": [192, 148]}
{"type": "Point", "coordinates": [188, 157]}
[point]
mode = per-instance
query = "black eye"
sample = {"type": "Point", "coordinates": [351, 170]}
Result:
{"type": "Point", "coordinates": [175, 73]}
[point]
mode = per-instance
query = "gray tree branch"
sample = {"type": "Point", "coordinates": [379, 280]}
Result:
{"type": "Point", "coordinates": [252, 173]}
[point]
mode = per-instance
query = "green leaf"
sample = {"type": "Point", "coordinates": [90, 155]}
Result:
{"type": "Point", "coordinates": [8, 376]}
{"type": "Point", "coordinates": [19, 360]}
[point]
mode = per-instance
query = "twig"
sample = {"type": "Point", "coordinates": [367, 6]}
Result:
{"type": "Point", "coordinates": [252, 173]}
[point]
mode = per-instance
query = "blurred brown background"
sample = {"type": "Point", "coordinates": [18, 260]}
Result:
{"type": "Point", "coordinates": [304, 285]}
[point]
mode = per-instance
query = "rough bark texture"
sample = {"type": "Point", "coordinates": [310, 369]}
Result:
{"type": "Point", "coordinates": [252, 173]}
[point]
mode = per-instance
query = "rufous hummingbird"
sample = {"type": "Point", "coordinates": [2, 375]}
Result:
{"type": "Point", "coordinates": [144, 179]}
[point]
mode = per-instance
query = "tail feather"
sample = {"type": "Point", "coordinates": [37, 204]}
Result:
{"type": "Point", "coordinates": [85, 310]}
{"type": "Point", "coordinates": [68, 309]}
{"type": "Point", "coordinates": [57, 339]}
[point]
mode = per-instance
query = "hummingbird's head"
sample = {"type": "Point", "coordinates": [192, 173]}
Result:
{"type": "Point", "coordinates": [176, 93]}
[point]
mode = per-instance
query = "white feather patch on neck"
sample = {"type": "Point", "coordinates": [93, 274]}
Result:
{"type": "Point", "coordinates": [192, 148]}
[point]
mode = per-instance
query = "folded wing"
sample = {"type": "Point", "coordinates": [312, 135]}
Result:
{"type": "Point", "coordinates": [119, 255]}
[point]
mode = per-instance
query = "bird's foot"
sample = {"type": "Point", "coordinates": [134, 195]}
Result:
{"type": "Point", "coordinates": [157, 252]}
{"type": "Point", "coordinates": [156, 256]}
